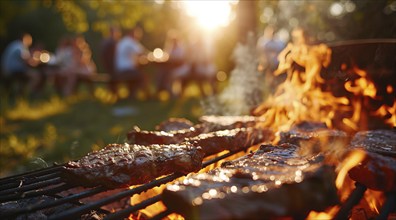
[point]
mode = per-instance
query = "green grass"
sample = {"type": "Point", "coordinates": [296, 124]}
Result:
{"type": "Point", "coordinates": [37, 133]}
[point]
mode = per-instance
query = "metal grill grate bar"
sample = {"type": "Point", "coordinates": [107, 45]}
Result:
{"type": "Point", "coordinates": [352, 200]}
{"type": "Point", "coordinates": [32, 174]}
{"type": "Point", "coordinates": [27, 181]}
{"type": "Point", "coordinates": [30, 194]}
{"type": "Point", "coordinates": [161, 215]}
{"type": "Point", "coordinates": [388, 207]}
{"type": "Point", "coordinates": [57, 202]}
{"type": "Point", "coordinates": [76, 212]}
{"type": "Point", "coordinates": [127, 211]}
{"type": "Point", "coordinates": [32, 186]}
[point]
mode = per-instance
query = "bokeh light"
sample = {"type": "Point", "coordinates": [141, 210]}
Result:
{"type": "Point", "coordinates": [209, 14]}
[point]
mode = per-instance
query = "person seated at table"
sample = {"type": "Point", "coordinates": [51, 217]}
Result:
{"type": "Point", "coordinates": [128, 51]}
{"type": "Point", "coordinates": [17, 64]}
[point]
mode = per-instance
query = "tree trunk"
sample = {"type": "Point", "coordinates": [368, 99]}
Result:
{"type": "Point", "coordinates": [246, 18]}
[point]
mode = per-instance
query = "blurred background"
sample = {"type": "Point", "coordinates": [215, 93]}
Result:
{"type": "Point", "coordinates": [42, 127]}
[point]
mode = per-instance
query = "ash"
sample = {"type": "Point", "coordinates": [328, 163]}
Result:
{"type": "Point", "coordinates": [245, 87]}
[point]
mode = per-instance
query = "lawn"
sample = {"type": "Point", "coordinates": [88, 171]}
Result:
{"type": "Point", "coordinates": [35, 133]}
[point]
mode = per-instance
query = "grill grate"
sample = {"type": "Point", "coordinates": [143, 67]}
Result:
{"type": "Point", "coordinates": [49, 183]}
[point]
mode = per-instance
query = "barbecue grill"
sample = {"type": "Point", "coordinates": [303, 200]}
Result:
{"type": "Point", "coordinates": [48, 182]}
{"type": "Point", "coordinates": [25, 192]}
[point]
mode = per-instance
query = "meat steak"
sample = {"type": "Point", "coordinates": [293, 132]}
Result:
{"type": "Point", "coordinates": [119, 165]}
{"type": "Point", "coordinates": [232, 140]}
{"type": "Point", "coordinates": [274, 181]}
{"type": "Point", "coordinates": [378, 169]}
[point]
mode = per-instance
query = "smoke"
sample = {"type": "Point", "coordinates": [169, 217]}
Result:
{"type": "Point", "coordinates": [245, 87]}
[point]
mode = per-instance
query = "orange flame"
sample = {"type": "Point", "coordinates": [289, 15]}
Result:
{"type": "Point", "coordinates": [301, 98]}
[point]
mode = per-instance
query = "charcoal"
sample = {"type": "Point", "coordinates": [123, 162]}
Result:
{"type": "Point", "coordinates": [275, 181]}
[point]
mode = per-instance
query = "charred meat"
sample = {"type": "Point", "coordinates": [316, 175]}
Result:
{"type": "Point", "coordinates": [274, 181]}
{"type": "Point", "coordinates": [232, 140]}
{"type": "Point", "coordinates": [315, 137]}
{"type": "Point", "coordinates": [379, 141]}
{"type": "Point", "coordinates": [174, 124]}
{"type": "Point", "coordinates": [119, 165]}
{"type": "Point", "coordinates": [378, 170]}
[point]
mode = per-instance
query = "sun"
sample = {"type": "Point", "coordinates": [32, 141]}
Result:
{"type": "Point", "coordinates": [209, 14]}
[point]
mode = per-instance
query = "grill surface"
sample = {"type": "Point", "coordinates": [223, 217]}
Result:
{"type": "Point", "coordinates": [49, 183]}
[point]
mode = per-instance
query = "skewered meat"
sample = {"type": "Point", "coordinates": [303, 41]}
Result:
{"type": "Point", "coordinates": [119, 165]}
{"type": "Point", "coordinates": [315, 137]}
{"type": "Point", "coordinates": [273, 181]}
{"type": "Point", "coordinates": [379, 141]}
{"type": "Point", "coordinates": [232, 140]}
{"type": "Point", "coordinates": [174, 124]}
{"type": "Point", "coordinates": [378, 170]}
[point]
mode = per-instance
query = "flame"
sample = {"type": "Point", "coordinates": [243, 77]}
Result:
{"type": "Point", "coordinates": [326, 215]}
{"type": "Point", "coordinates": [302, 97]}
{"type": "Point", "coordinates": [353, 159]}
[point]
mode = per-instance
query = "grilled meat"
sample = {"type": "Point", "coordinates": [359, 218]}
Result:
{"type": "Point", "coordinates": [137, 136]}
{"type": "Point", "coordinates": [215, 123]}
{"type": "Point", "coordinates": [379, 141]}
{"type": "Point", "coordinates": [175, 130]}
{"type": "Point", "coordinates": [378, 170]}
{"type": "Point", "coordinates": [273, 181]}
{"type": "Point", "coordinates": [119, 165]}
{"type": "Point", "coordinates": [232, 140]}
{"type": "Point", "coordinates": [315, 137]}
{"type": "Point", "coordinates": [174, 124]}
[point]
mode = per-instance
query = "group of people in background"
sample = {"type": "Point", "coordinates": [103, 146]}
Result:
{"type": "Point", "coordinates": [73, 63]}
{"type": "Point", "coordinates": [24, 65]}
{"type": "Point", "coordinates": [16, 64]}
{"type": "Point", "coordinates": [122, 57]}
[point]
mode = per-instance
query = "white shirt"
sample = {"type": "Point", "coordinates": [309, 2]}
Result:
{"type": "Point", "coordinates": [126, 51]}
